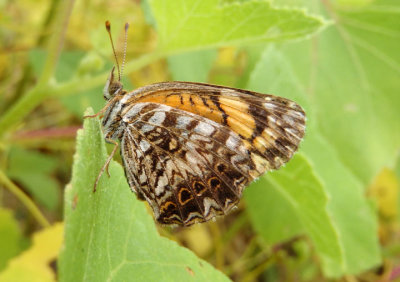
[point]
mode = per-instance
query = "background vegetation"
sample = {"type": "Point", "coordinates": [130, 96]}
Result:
{"type": "Point", "coordinates": [330, 214]}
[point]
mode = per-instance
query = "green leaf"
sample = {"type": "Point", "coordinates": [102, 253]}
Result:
{"type": "Point", "coordinates": [351, 133]}
{"type": "Point", "coordinates": [34, 170]}
{"type": "Point", "coordinates": [298, 202]}
{"type": "Point", "coordinates": [109, 235]}
{"type": "Point", "coordinates": [272, 213]}
{"type": "Point", "coordinates": [352, 83]}
{"type": "Point", "coordinates": [10, 237]}
{"type": "Point", "coordinates": [198, 24]}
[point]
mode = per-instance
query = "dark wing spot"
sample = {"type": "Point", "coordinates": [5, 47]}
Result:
{"type": "Point", "coordinates": [214, 182]}
{"type": "Point", "coordinates": [199, 188]}
{"type": "Point", "coordinates": [221, 168]}
{"type": "Point", "coordinates": [184, 196]}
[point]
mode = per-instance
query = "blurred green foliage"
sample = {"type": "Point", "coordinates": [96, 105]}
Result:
{"type": "Point", "coordinates": [331, 212]}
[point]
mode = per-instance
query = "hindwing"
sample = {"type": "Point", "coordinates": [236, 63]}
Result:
{"type": "Point", "coordinates": [180, 164]}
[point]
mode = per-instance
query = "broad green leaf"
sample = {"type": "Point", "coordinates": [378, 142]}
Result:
{"type": "Point", "coordinates": [35, 264]}
{"type": "Point", "coordinates": [347, 80]}
{"type": "Point", "coordinates": [10, 237]}
{"type": "Point", "coordinates": [353, 84]}
{"type": "Point", "coordinates": [298, 203]}
{"type": "Point", "coordinates": [351, 215]}
{"type": "Point", "coordinates": [192, 66]}
{"type": "Point", "coordinates": [198, 24]}
{"type": "Point", "coordinates": [354, 94]}
{"type": "Point", "coordinates": [109, 235]}
{"type": "Point", "coordinates": [273, 215]}
{"type": "Point", "coordinates": [34, 170]}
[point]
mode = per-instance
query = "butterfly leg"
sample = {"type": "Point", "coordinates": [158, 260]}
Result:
{"type": "Point", "coordinates": [110, 141]}
{"type": "Point", "coordinates": [97, 114]}
{"type": "Point", "coordinates": [100, 112]}
{"type": "Point", "coordinates": [107, 163]}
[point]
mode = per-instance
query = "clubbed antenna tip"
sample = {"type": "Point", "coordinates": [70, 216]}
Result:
{"type": "Point", "coordinates": [108, 28]}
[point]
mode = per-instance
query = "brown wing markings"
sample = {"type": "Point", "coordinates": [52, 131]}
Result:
{"type": "Point", "coordinates": [241, 125]}
{"type": "Point", "coordinates": [176, 191]}
{"type": "Point", "coordinates": [178, 169]}
{"type": "Point", "coordinates": [204, 160]}
{"type": "Point", "coordinates": [249, 147]}
{"type": "Point", "coordinates": [255, 107]}
{"type": "Point", "coordinates": [152, 188]}
{"type": "Point", "coordinates": [269, 145]}
{"type": "Point", "coordinates": [145, 170]}
{"type": "Point", "coordinates": [288, 145]}
{"type": "Point", "coordinates": [223, 129]}
{"type": "Point", "coordinates": [173, 190]}
{"type": "Point", "coordinates": [220, 128]}
{"type": "Point", "coordinates": [254, 101]}
{"type": "Point", "coordinates": [135, 186]}
{"type": "Point", "coordinates": [215, 197]}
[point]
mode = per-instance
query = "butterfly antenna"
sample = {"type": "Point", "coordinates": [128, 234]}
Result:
{"type": "Point", "coordinates": [125, 44]}
{"type": "Point", "coordinates": [108, 28]}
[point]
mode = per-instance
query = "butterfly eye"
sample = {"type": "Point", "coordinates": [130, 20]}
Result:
{"type": "Point", "coordinates": [112, 86]}
{"type": "Point", "coordinates": [115, 88]}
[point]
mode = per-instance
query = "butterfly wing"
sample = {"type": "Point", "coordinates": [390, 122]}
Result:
{"type": "Point", "coordinates": [190, 149]}
{"type": "Point", "coordinates": [179, 162]}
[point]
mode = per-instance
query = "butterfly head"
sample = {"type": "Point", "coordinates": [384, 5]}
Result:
{"type": "Point", "coordinates": [113, 86]}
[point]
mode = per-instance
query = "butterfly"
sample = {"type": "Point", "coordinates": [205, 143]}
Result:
{"type": "Point", "coordinates": [189, 149]}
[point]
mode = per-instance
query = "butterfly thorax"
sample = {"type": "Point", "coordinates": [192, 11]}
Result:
{"type": "Point", "coordinates": [112, 120]}
{"type": "Point", "coordinates": [113, 92]}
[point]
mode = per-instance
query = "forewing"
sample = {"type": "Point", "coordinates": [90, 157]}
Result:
{"type": "Point", "coordinates": [270, 125]}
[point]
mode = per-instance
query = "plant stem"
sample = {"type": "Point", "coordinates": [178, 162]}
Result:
{"type": "Point", "coordinates": [55, 44]}
{"type": "Point", "coordinates": [30, 205]}
{"type": "Point", "coordinates": [43, 36]}
{"type": "Point", "coordinates": [23, 106]}
{"type": "Point", "coordinates": [38, 94]}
